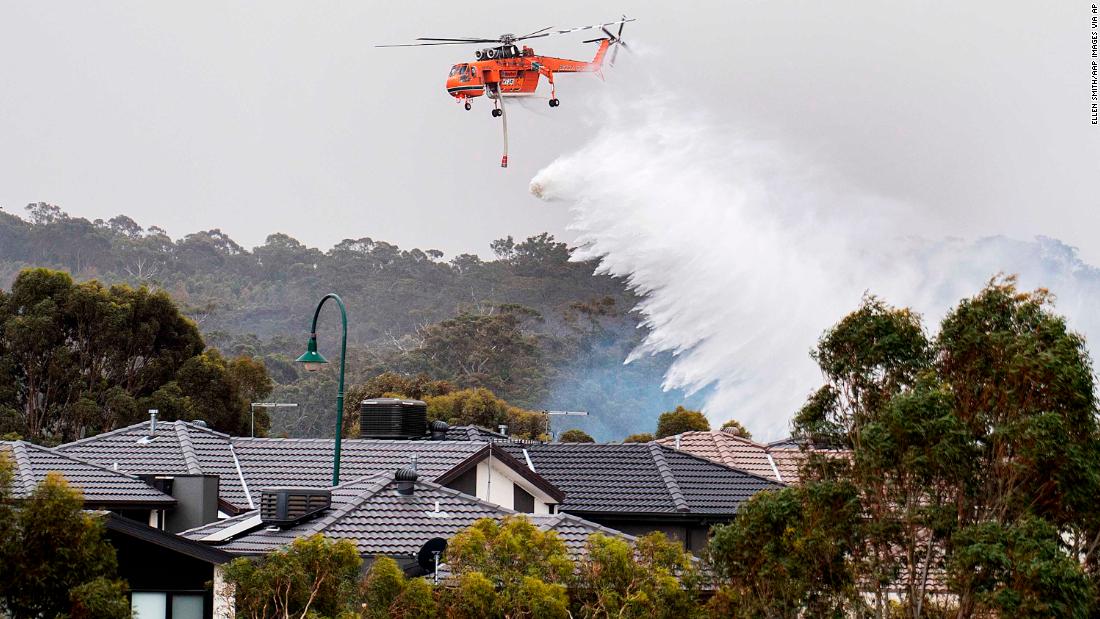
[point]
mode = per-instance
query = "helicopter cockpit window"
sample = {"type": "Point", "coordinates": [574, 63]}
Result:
{"type": "Point", "coordinates": [454, 71]}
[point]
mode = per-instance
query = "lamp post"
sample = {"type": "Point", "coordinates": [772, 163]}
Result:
{"type": "Point", "coordinates": [313, 361]}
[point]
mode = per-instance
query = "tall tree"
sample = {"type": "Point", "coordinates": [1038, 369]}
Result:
{"type": "Point", "coordinates": [54, 560]}
{"type": "Point", "coordinates": [681, 420]}
{"type": "Point", "coordinates": [960, 445]}
{"type": "Point", "coordinates": [82, 358]}
{"type": "Point", "coordinates": [312, 577]}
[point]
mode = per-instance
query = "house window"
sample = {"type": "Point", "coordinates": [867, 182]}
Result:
{"type": "Point", "coordinates": [148, 605]}
{"type": "Point", "coordinates": [164, 605]}
{"type": "Point", "coordinates": [522, 501]}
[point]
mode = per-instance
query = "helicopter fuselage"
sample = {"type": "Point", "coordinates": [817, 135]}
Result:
{"type": "Point", "coordinates": [510, 71]}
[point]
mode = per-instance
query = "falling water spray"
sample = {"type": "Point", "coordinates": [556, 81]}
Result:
{"type": "Point", "coordinates": [744, 255]}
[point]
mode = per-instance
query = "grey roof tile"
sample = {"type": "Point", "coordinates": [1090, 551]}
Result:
{"type": "Point", "coordinates": [366, 511]}
{"type": "Point", "coordinates": [272, 462]}
{"type": "Point", "coordinates": [474, 433]}
{"type": "Point", "coordinates": [100, 486]}
{"type": "Point", "coordinates": [177, 448]}
{"type": "Point", "coordinates": [641, 478]}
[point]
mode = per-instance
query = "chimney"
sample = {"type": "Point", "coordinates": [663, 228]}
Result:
{"type": "Point", "coordinates": [439, 430]}
{"type": "Point", "coordinates": [503, 429]}
{"type": "Point", "coordinates": [406, 481]}
{"type": "Point", "coordinates": [152, 422]}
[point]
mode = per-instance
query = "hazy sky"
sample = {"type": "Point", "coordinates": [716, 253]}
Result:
{"type": "Point", "coordinates": [262, 117]}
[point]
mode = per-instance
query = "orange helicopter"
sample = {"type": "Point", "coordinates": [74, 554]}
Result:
{"type": "Point", "coordinates": [508, 70]}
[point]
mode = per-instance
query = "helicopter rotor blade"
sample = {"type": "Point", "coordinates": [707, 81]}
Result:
{"type": "Point", "coordinates": [428, 44]}
{"type": "Point", "coordinates": [531, 34]}
{"type": "Point", "coordinates": [459, 40]}
{"type": "Point", "coordinates": [578, 28]}
{"type": "Point", "coordinates": [534, 35]}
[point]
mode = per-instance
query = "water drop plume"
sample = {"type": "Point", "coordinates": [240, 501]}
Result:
{"type": "Point", "coordinates": [745, 254]}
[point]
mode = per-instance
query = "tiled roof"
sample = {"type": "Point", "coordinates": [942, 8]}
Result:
{"type": "Point", "coordinates": [101, 486]}
{"type": "Point", "coordinates": [177, 448]}
{"type": "Point", "coordinates": [474, 433]}
{"type": "Point", "coordinates": [366, 511]}
{"type": "Point", "coordinates": [640, 478]}
{"type": "Point", "coordinates": [779, 460]}
{"type": "Point", "coordinates": [272, 462]}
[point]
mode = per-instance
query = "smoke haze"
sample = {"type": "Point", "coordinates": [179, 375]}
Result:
{"type": "Point", "coordinates": [746, 254]}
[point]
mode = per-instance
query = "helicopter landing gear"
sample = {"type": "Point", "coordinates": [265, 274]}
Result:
{"type": "Point", "coordinates": [468, 106]}
{"type": "Point", "coordinates": [554, 103]}
{"type": "Point", "coordinates": [497, 112]}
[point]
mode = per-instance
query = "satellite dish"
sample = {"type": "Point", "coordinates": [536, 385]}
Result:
{"type": "Point", "coordinates": [430, 552]}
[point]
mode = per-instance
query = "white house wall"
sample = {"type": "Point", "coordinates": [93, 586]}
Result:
{"type": "Point", "coordinates": [496, 484]}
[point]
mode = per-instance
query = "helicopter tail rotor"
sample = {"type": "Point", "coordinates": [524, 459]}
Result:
{"type": "Point", "coordinates": [616, 39]}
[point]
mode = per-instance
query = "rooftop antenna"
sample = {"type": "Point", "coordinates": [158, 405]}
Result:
{"type": "Point", "coordinates": [551, 414]}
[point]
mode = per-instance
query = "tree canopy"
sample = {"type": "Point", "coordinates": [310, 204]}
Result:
{"type": "Point", "coordinates": [82, 358]}
{"type": "Point", "coordinates": [54, 559]}
{"type": "Point", "coordinates": [681, 420]}
{"type": "Point", "coordinates": [972, 465]}
{"type": "Point", "coordinates": [531, 325]}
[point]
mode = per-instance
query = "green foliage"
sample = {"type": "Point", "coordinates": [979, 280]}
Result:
{"type": "Point", "coordinates": [78, 359]}
{"type": "Point", "coordinates": [735, 428]}
{"type": "Point", "coordinates": [529, 568]}
{"type": "Point", "coordinates": [681, 420]}
{"type": "Point", "coordinates": [575, 436]}
{"type": "Point", "coordinates": [255, 302]}
{"type": "Point", "coordinates": [496, 351]}
{"type": "Point", "coordinates": [381, 587]}
{"type": "Point", "coordinates": [54, 559]}
{"type": "Point", "coordinates": [657, 578]}
{"type": "Point", "coordinates": [641, 437]}
{"type": "Point", "coordinates": [482, 408]}
{"type": "Point", "coordinates": [1019, 570]}
{"type": "Point", "coordinates": [101, 598]}
{"type": "Point", "coordinates": [314, 576]}
{"type": "Point", "coordinates": [474, 597]}
{"type": "Point", "coordinates": [978, 451]}
{"type": "Point", "coordinates": [417, 601]}
{"type": "Point", "coordinates": [787, 552]}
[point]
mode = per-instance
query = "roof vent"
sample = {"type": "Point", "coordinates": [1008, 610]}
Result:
{"type": "Point", "coordinates": [393, 419]}
{"type": "Point", "coordinates": [406, 480]}
{"type": "Point", "coordinates": [289, 506]}
{"type": "Point", "coordinates": [439, 430]}
{"type": "Point", "coordinates": [198, 422]}
{"type": "Point", "coordinates": [152, 422]}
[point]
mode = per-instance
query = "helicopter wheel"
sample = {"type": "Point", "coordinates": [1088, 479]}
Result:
{"type": "Point", "coordinates": [497, 112]}
{"type": "Point", "coordinates": [554, 102]}
{"type": "Point", "coordinates": [468, 106]}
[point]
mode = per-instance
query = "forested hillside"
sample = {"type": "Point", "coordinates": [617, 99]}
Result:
{"type": "Point", "coordinates": [536, 329]}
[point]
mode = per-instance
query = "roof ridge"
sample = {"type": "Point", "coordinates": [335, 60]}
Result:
{"type": "Point", "coordinates": [670, 480]}
{"type": "Point", "coordinates": [61, 454]}
{"type": "Point", "coordinates": [187, 448]}
{"type": "Point", "coordinates": [734, 437]}
{"type": "Point", "coordinates": [723, 449]}
{"type": "Point", "coordinates": [688, 454]}
{"type": "Point", "coordinates": [206, 429]}
{"type": "Point", "coordinates": [88, 439]}
{"type": "Point", "coordinates": [23, 466]}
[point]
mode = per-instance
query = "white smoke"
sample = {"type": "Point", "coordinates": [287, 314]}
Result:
{"type": "Point", "coordinates": [746, 255]}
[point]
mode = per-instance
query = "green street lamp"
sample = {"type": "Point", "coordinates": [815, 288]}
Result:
{"type": "Point", "coordinates": [313, 361]}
